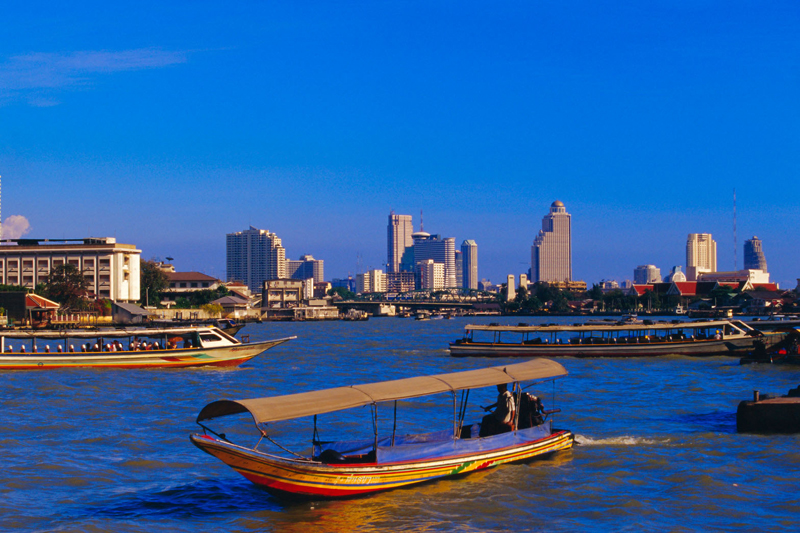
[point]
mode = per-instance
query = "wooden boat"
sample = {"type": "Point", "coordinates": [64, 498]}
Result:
{"type": "Point", "coordinates": [126, 348]}
{"type": "Point", "coordinates": [624, 339]}
{"type": "Point", "coordinates": [338, 469]}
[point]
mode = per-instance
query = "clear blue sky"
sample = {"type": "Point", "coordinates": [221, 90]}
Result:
{"type": "Point", "coordinates": [170, 124]}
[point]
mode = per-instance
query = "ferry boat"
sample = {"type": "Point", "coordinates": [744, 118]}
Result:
{"type": "Point", "coordinates": [600, 339]}
{"type": "Point", "coordinates": [345, 468]}
{"type": "Point", "coordinates": [126, 348]}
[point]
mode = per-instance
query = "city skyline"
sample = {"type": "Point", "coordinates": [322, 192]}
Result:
{"type": "Point", "coordinates": [168, 126]}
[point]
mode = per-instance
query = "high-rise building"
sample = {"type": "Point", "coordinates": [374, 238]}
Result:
{"type": "Point", "coordinates": [469, 264]}
{"type": "Point", "coordinates": [254, 256]}
{"type": "Point", "coordinates": [371, 281]}
{"type": "Point", "coordinates": [399, 244]}
{"type": "Point", "coordinates": [459, 269]}
{"type": "Point", "coordinates": [644, 274]}
{"type": "Point", "coordinates": [306, 268]}
{"type": "Point", "coordinates": [754, 255]}
{"type": "Point", "coordinates": [440, 250]}
{"type": "Point", "coordinates": [551, 253]}
{"type": "Point", "coordinates": [701, 255]}
{"type": "Point", "coordinates": [431, 275]}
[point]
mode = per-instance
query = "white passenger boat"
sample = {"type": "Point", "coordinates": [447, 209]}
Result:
{"type": "Point", "coordinates": [639, 339]}
{"type": "Point", "coordinates": [126, 348]}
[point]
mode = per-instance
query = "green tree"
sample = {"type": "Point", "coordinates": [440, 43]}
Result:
{"type": "Point", "coordinates": [154, 281]}
{"type": "Point", "coordinates": [343, 292]}
{"type": "Point", "coordinates": [67, 286]}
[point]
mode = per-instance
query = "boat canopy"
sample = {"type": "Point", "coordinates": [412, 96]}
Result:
{"type": "Point", "coordinates": [61, 334]}
{"type": "Point", "coordinates": [302, 404]}
{"type": "Point", "coordinates": [607, 327]}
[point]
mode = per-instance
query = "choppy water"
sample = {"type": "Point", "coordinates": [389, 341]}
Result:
{"type": "Point", "coordinates": [99, 450]}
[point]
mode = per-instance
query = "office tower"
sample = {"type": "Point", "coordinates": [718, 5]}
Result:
{"type": "Point", "coordinates": [399, 244]}
{"type": "Point", "coordinates": [440, 250]}
{"type": "Point", "coordinates": [469, 262]}
{"type": "Point", "coordinates": [701, 255]}
{"type": "Point", "coordinates": [371, 281]}
{"type": "Point", "coordinates": [431, 275]}
{"type": "Point", "coordinates": [644, 274]}
{"type": "Point", "coordinates": [754, 255]}
{"type": "Point", "coordinates": [254, 256]}
{"type": "Point", "coordinates": [551, 253]}
{"type": "Point", "coordinates": [459, 269]}
{"type": "Point", "coordinates": [306, 268]}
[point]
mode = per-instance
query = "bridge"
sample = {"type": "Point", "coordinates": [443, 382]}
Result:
{"type": "Point", "coordinates": [428, 300]}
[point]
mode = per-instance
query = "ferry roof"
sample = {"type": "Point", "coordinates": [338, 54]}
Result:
{"type": "Point", "coordinates": [611, 326]}
{"type": "Point", "coordinates": [104, 333]}
{"type": "Point", "coordinates": [329, 400]}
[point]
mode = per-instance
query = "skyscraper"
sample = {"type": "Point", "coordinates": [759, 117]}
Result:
{"type": "Point", "coordinates": [254, 256]}
{"type": "Point", "coordinates": [469, 264]}
{"type": "Point", "coordinates": [399, 244]}
{"type": "Point", "coordinates": [754, 255]}
{"type": "Point", "coordinates": [701, 255]}
{"type": "Point", "coordinates": [551, 253]}
{"type": "Point", "coordinates": [440, 250]}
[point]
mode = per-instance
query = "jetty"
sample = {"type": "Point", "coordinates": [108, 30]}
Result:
{"type": "Point", "coordinates": [765, 414]}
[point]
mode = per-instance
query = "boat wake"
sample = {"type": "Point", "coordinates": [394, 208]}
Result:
{"type": "Point", "coordinates": [624, 440]}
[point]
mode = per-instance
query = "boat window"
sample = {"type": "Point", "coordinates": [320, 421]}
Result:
{"type": "Point", "coordinates": [209, 337]}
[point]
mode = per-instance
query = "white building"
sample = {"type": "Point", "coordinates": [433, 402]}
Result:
{"type": "Point", "coordinates": [399, 244]}
{"type": "Point", "coordinates": [254, 256]}
{"type": "Point", "coordinates": [511, 289]}
{"type": "Point", "coordinates": [431, 275]}
{"type": "Point", "coordinates": [644, 274]}
{"type": "Point", "coordinates": [551, 253]}
{"type": "Point", "coordinates": [371, 281]}
{"type": "Point", "coordinates": [469, 264]}
{"type": "Point", "coordinates": [701, 255]}
{"type": "Point", "coordinates": [747, 275]}
{"type": "Point", "coordinates": [112, 270]}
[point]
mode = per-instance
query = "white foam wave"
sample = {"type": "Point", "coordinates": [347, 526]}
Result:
{"type": "Point", "coordinates": [624, 440]}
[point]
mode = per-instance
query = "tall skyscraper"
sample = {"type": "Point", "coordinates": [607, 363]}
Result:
{"type": "Point", "coordinates": [459, 269]}
{"type": "Point", "coordinates": [754, 255]}
{"type": "Point", "coordinates": [469, 264]}
{"type": "Point", "coordinates": [701, 255]}
{"type": "Point", "coordinates": [399, 244]}
{"type": "Point", "coordinates": [254, 256]}
{"type": "Point", "coordinates": [440, 250]}
{"type": "Point", "coordinates": [551, 253]}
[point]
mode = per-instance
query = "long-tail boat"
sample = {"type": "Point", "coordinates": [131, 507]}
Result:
{"type": "Point", "coordinates": [126, 348]}
{"type": "Point", "coordinates": [610, 339]}
{"type": "Point", "coordinates": [345, 468]}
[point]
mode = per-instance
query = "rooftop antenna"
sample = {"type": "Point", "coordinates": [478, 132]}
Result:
{"type": "Point", "coordinates": [421, 225]}
{"type": "Point", "coordinates": [735, 267]}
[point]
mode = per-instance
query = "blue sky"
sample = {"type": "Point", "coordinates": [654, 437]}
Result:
{"type": "Point", "coordinates": [169, 126]}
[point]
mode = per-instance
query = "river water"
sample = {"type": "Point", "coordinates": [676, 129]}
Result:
{"type": "Point", "coordinates": [99, 450]}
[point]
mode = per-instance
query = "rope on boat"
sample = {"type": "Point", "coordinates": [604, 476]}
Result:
{"type": "Point", "coordinates": [287, 450]}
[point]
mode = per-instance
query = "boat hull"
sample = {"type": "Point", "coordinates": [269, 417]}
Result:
{"type": "Point", "coordinates": [225, 356]}
{"type": "Point", "coordinates": [313, 479]}
{"type": "Point", "coordinates": [711, 347]}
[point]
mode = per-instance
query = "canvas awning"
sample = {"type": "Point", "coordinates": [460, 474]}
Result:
{"type": "Point", "coordinates": [329, 400]}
